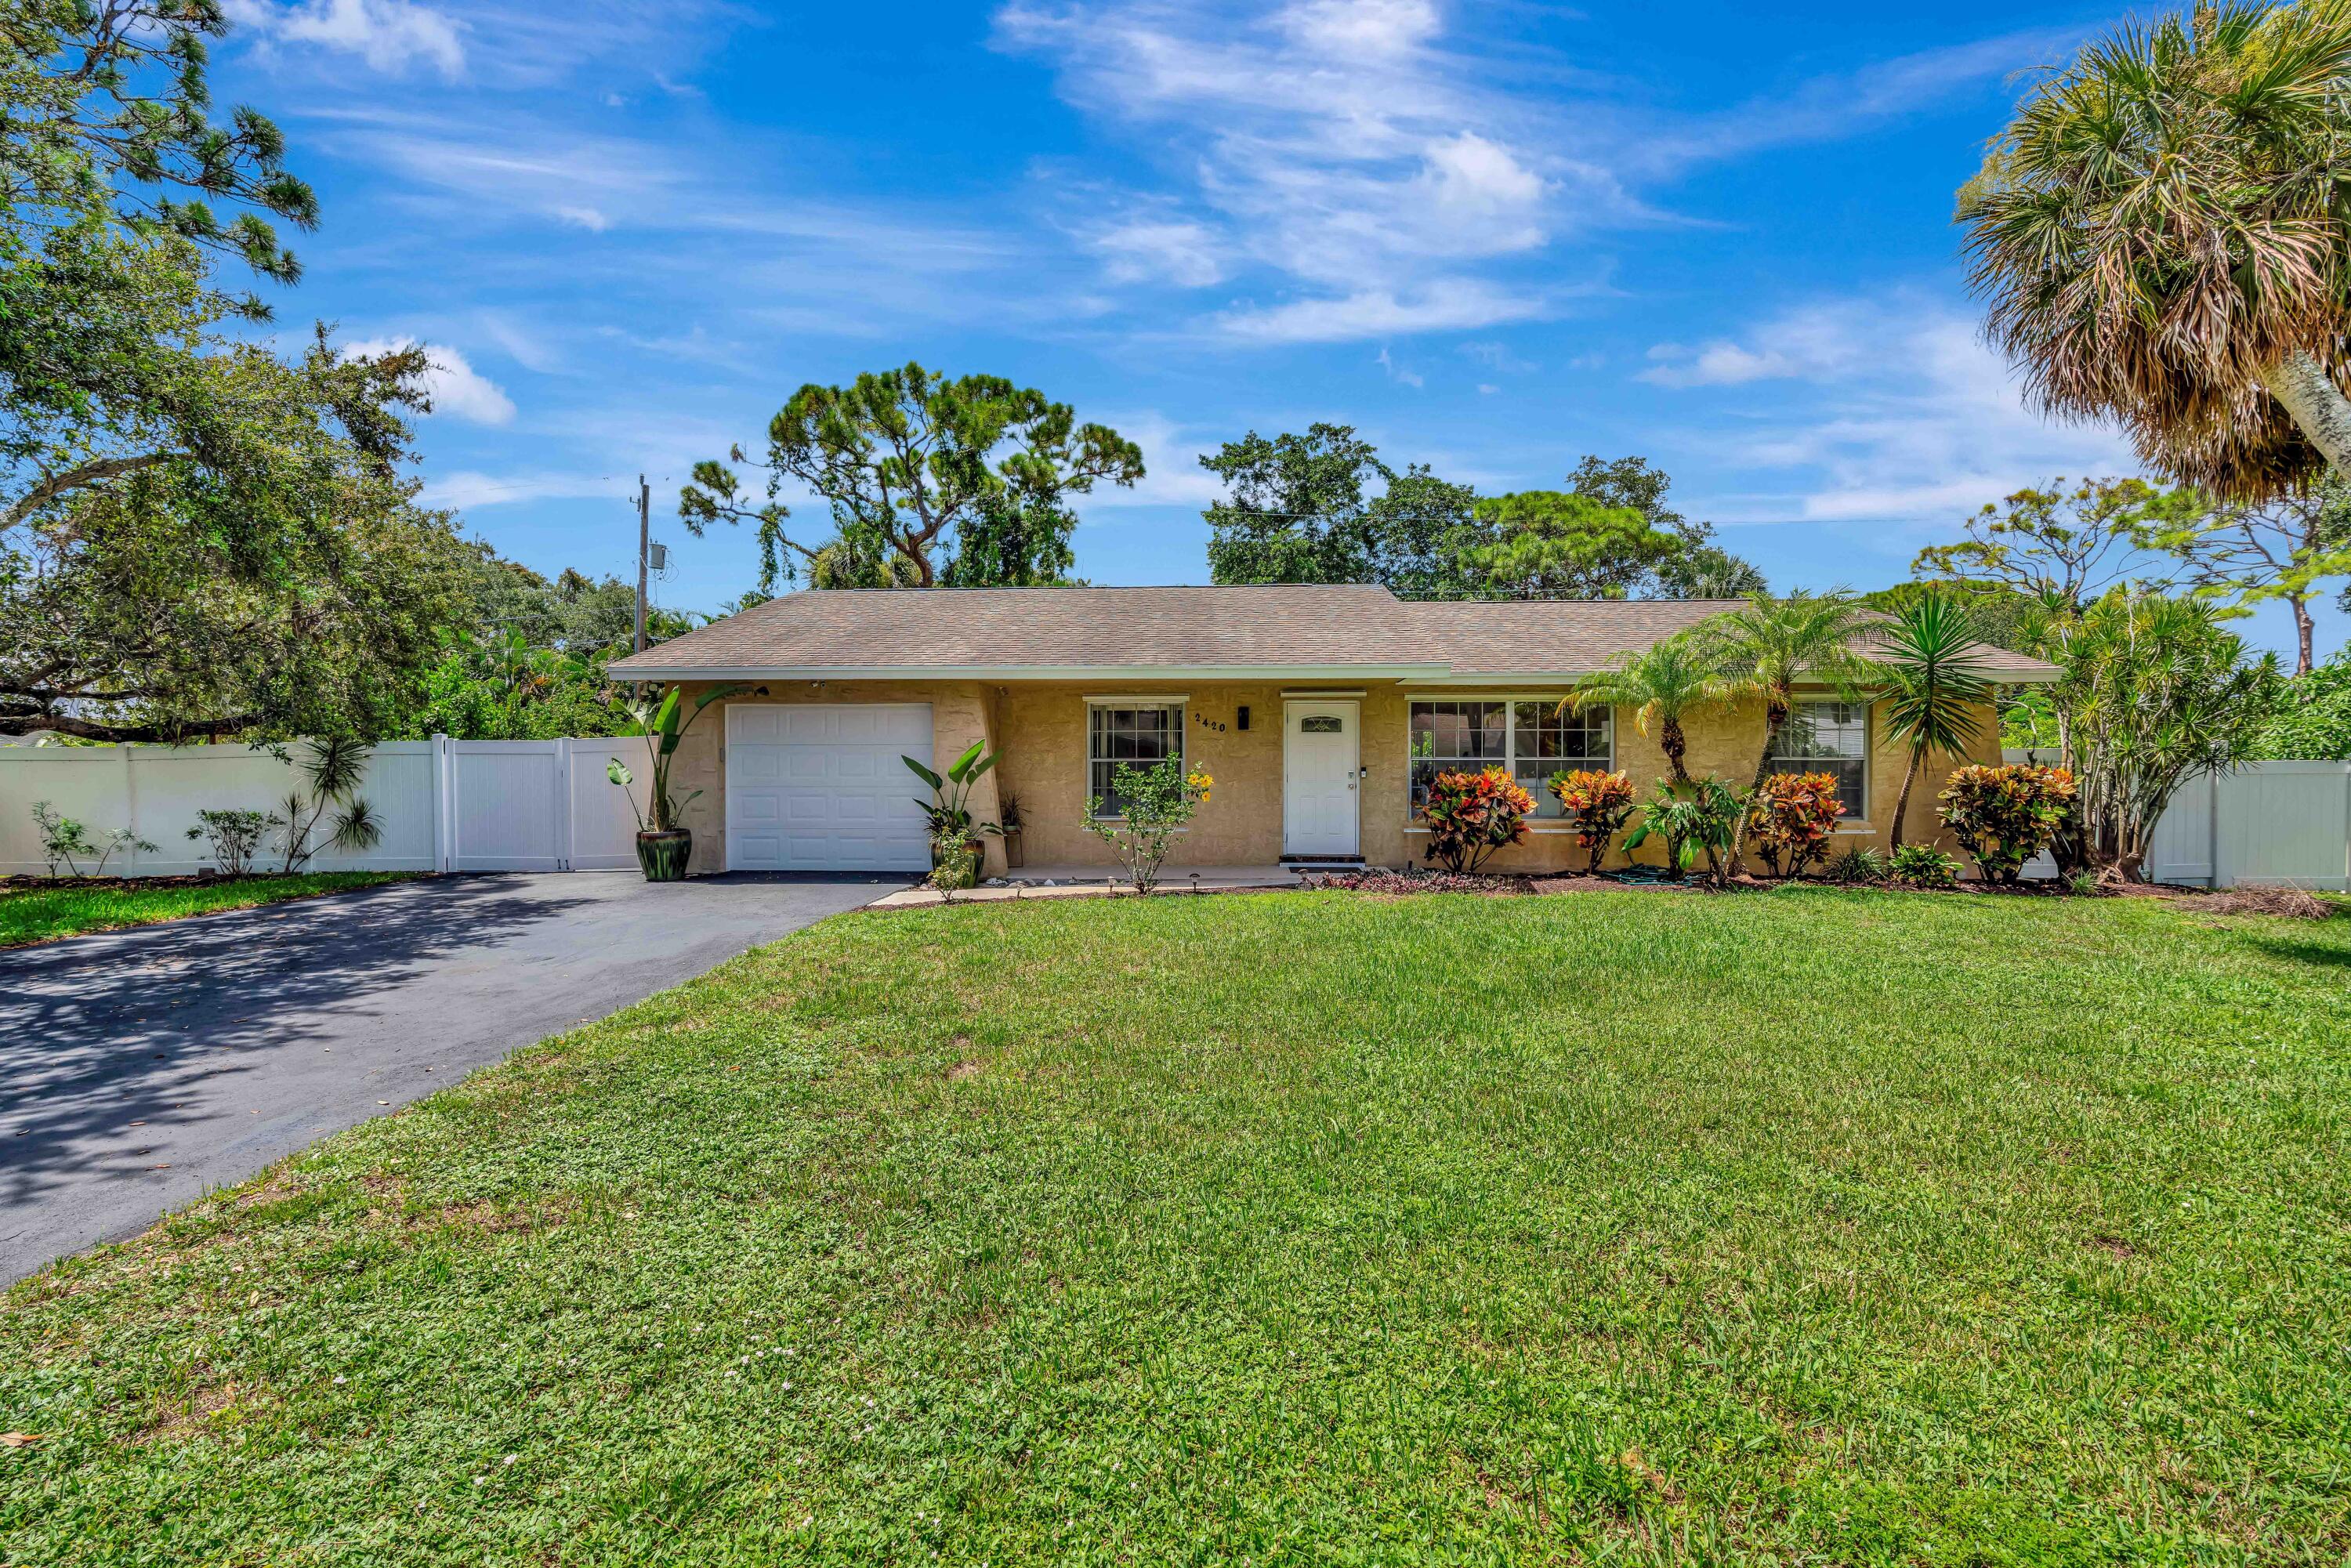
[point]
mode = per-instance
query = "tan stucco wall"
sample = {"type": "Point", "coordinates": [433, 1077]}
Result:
{"type": "Point", "coordinates": [1040, 729]}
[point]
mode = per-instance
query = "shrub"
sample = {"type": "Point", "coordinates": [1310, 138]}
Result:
{"type": "Point", "coordinates": [66, 842]}
{"type": "Point", "coordinates": [1598, 806]}
{"type": "Point", "coordinates": [1702, 814]}
{"type": "Point", "coordinates": [235, 837]}
{"type": "Point", "coordinates": [1923, 865]}
{"type": "Point", "coordinates": [2004, 816]}
{"type": "Point", "coordinates": [956, 860]}
{"type": "Point", "coordinates": [1790, 818]}
{"type": "Point", "coordinates": [1471, 815]}
{"type": "Point", "coordinates": [1153, 803]}
{"type": "Point", "coordinates": [1860, 864]}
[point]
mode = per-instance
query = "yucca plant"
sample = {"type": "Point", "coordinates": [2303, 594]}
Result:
{"type": "Point", "coordinates": [2161, 235]}
{"type": "Point", "coordinates": [333, 768]}
{"type": "Point", "coordinates": [1932, 686]}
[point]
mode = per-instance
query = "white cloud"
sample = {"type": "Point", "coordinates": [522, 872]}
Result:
{"type": "Point", "coordinates": [1446, 303]}
{"type": "Point", "coordinates": [390, 34]}
{"type": "Point", "coordinates": [1888, 410]}
{"type": "Point", "coordinates": [455, 386]}
{"type": "Point", "coordinates": [467, 488]}
{"type": "Point", "coordinates": [1488, 389]}
{"type": "Point", "coordinates": [1351, 28]}
{"type": "Point", "coordinates": [1337, 144]}
{"type": "Point", "coordinates": [1171, 250]}
{"type": "Point", "coordinates": [1398, 372]}
{"type": "Point", "coordinates": [1496, 355]}
{"type": "Point", "coordinates": [589, 218]}
{"type": "Point", "coordinates": [1807, 344]}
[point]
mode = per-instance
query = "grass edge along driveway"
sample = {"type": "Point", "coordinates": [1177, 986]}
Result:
{"type": "Point", "coordinates": [33, 913]}
{"type": "Point", "coordinates": [1283, 1227]}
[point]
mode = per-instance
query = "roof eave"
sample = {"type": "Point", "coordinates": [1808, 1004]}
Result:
{"type": "Point", "coordinates": [628, 670]}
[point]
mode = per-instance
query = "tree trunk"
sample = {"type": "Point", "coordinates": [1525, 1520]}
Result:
{"type": "Point", "coordinates": [1775, 715]}
{"type": "Point", "coordinates": [2302, 629]}
{"type": "Point", "coordinates": [1669, 736]}
{"type": "Point", "coordinates": [1902, 800]}
{"type": "Point", "coordinates": [2316, 403]}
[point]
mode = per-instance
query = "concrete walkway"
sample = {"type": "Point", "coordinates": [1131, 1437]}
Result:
{"type": "Point", "coordinates": [140, 1069]}
{"type": "Point", "coordinates": [1097, 882]}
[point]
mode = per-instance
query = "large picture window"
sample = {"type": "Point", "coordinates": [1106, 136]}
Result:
{"type": "Point", "coordinates": [1528, 739]}
{"type": "Point", "coordinates": [1829, 737]}
{"type": "Point", "coordinates": [1137, 734]}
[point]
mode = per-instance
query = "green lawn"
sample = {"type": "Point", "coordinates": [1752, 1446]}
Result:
{"type": "Point", "coordinates": [41, 914]}
{"type": "Point", "coordinates": [1298, 1227]}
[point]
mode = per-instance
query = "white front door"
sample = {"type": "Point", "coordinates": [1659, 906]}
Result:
{"type": "Point", "coordinates": [1321, 757]}
{"type": "Point", "coordinates": [819, 787]}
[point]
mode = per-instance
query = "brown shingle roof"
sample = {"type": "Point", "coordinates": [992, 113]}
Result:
{"type": "Point", "coordinates": [1343, 629]}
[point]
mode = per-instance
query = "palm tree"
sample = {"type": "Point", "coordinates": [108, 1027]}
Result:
{"type": "Point", "coordinates": [1765, 649]}
{"type": "Point", "coordinates": [2161, 235]}
{"type": "Point", "coordinates": [1931, 684]}
{"type": "Point", "coordinates": [1660, 685]}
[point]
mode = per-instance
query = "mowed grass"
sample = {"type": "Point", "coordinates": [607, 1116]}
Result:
{"type": "Point", "coordinates": [36, 914]}
{"type": "Point", "coordinates": [1301, 1228]}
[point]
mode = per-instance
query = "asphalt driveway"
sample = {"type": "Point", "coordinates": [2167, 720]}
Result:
{"type": "Point", "coordinates": [140, 1069]}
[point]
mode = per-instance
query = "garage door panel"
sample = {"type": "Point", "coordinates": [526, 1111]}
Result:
{"type": "Point", "coordinates": [819, 787]}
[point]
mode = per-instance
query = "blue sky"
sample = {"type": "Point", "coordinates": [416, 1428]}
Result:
{"type": "Point", "coordinates": [1493, 234]}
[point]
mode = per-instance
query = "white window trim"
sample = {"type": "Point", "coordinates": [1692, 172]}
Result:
{"type": "Point", "coordinates": [1510, 759]}
{"type": "Point", "coordinates": [1859, 822]}
{"type": "Point", "coordinates": [1176, 700]}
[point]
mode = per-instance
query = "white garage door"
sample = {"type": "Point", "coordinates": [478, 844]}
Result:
{"type": "Point", "coordinates": [819, 787]}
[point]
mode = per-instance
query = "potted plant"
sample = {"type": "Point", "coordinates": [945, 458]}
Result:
{"type": "Point", "coordinates": [665, 844]}
{"type": "Point", "coordinates": [954, 837]}
{"type": "Point", "coordinates": [1014, 859]}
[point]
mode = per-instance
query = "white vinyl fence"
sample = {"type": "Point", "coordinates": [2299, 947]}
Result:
{"type": "Point", "coordinates": [2285, 822]}
{"type": "Point", "coordinates": [445, 805]}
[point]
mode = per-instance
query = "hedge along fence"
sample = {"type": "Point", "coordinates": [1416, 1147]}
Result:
{"type": "Point", "coordinates": [445, 805]}
{"type": "Point", "coordinates": [2276, 823]}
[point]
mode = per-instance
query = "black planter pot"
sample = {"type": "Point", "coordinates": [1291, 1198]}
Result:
{"type": "Point", "coordinates": [664, 855]}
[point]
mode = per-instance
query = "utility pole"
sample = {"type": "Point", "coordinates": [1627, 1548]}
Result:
{"type": "Point", "coordinates": [644, 543]}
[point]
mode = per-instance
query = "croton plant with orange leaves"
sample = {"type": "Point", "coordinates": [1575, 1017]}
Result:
{"type": "Point", "coordinates": [1598, 804]}
{"type": "Point", "coordinates": [1790, 818]}
{"type": "Point", "coordinates": [1470, 815]}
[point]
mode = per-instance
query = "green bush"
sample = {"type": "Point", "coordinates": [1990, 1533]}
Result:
{"type": "Point", "coordinates": [1857, 866]}
{"type": "Point", "coordinates": [1152, 803]}
{"type": "Point", "coordinates": [2006, 815]}
{"type": "Point", "coordinates": [1923, 865]}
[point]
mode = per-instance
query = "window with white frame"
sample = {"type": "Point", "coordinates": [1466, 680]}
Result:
{"type": "Point", "coordinates": [1135, 734]}
{"type": "Point", "coordinates": [1829, 737]}
{"type": "Point", "coordinates": [1530, 738]}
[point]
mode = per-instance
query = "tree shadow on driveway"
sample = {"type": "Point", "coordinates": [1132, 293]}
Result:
{"type": "Point", "coordinates": [146, 1025]}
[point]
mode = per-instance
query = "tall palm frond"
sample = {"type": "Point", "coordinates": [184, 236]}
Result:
{"type": "Point", "coordinates": [1769, 647]}
{"type": "Point", "coordinates": [1661, 684]}
{"type": "Point", "coordinates": [1932, 686]}
{"type": "Point", "coordinates": [2160, 235]}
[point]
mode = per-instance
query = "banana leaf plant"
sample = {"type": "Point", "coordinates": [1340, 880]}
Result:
{"type": "Point", "coordinates": [663, 725]}
{"type": "Point", "coordinates": [948, 809]}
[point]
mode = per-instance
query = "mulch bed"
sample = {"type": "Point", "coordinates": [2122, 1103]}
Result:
{"type": "Point", "coordinates": [129, 884]}
{"type": "Point", "coordinates": [2292, 903]}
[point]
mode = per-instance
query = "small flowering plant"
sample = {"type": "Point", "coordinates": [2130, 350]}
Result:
{"type": "Point", "coordinates": [1598, 805]}
{"type": "Point", "coordinates": [1153, 803]}
{"type": "Point", "coordinates": [1470, 815]}
{"type": "Point", "coordinates": [1789, 821]}
{"type": "Point", "coordinates": [2004, 816]}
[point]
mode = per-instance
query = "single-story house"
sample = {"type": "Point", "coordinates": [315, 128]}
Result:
{"type": "Point", "coordinates": [1320, 710]}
